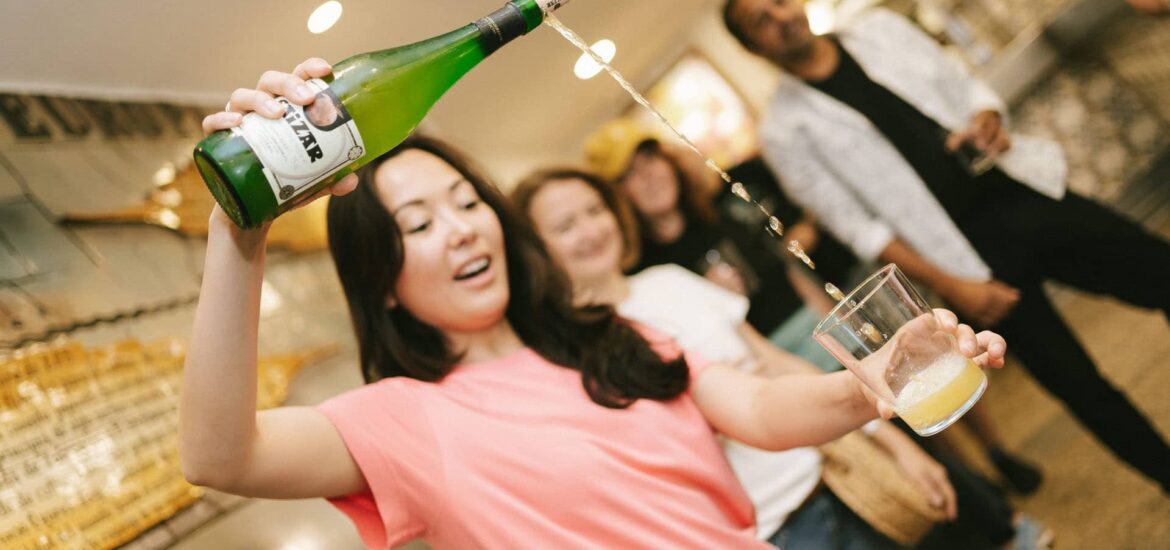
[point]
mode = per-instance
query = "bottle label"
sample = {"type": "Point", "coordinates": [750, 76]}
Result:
{"type": "Point", "coordinates": [307, 145]}
{"type": "Point", "coordinates": [550, 5]}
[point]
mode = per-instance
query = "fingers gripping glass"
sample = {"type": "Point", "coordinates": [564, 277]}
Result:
{"type": "Point", "coordinates": [973, 159]}
{"type": "Point", "coordinates": [887, 335]}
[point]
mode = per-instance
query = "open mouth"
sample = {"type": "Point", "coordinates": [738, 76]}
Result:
{"type": "Point", "coordinates": [473, 268]}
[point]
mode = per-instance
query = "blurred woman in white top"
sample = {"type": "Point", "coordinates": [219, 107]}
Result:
{"type": "Point", "coordinates": [585, 226]}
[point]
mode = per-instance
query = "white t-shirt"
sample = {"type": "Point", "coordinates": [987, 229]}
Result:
{"type": "Point", "coordinates": [704, 318]}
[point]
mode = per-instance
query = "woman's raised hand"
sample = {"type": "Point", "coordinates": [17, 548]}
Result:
{"type": "Point", "coordinates": [262, 101]}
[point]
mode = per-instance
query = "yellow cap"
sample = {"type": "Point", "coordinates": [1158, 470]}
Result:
{"type": "Point", "coordinates": [610, 149]}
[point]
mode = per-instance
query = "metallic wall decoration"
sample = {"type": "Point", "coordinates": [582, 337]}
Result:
{"type": "Point", "coordinates": [88, 455]}
{"type": "Point", "coordinates": [39, 117]}
{"type": "Point", "coordinates": [183, 204]}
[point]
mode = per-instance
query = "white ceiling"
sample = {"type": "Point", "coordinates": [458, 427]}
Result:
{"type": "Point", "coordinates": [520, 104]}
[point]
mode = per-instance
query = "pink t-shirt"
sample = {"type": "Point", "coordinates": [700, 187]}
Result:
{"type": "Point", "coordinates": [512, 453]}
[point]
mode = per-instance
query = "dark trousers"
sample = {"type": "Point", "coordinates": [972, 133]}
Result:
{"type": "Point", "coordinates": [1026, 238]}
{"type": "Point", "coordinates": [986, 518]}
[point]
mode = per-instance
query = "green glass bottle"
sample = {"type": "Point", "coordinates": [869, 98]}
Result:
{"type": "Point", "coordinates": [370, 103]}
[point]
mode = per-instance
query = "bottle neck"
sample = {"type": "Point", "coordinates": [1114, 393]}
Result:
{"type": "Point", "coordinates": [515, 19]}
{"type": "Point", "coordinates": [502, 26]}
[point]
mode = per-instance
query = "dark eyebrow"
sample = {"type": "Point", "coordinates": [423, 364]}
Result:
{"type": "Point", "coordinates": [457, 182]}
{"type": "Point", "coordinates": [419, 202]}
{"type": "Point", "coordinates": [415, 202]}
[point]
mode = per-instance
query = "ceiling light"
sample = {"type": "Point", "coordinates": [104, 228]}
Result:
{"type": "Point", "coordinates": [323, 18]}
{"type": "Point", "coordinates": [821, 18]}
{"type": "Point", "coordinates": [165, 174]}
{"type": "Point", "coordinates": [270, 299]}
{"type": "Point", "coordinates": [586, 67]}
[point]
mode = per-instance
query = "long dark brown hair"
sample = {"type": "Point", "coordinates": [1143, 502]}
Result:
{"type": "Point", "coordinates": [367, 249]}
{"type": "Point", "coordinates": [617, 203]}
{"type": "Point", "coordinates": [696, 206]}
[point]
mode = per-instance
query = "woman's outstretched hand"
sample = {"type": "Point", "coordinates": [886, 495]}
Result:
{"type": "Point", "coordinates": [986, 348]}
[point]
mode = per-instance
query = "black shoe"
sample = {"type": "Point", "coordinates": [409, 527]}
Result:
{"type": "Point", "coordinates": [1022, 477]}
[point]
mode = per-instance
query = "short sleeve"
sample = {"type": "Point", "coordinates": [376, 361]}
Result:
{"type": "Point", "coordinates": [673, 283]}
{"type": "Point", "coordinates": [379, 424]}
{"type": "Point", "coordinates": [730, 306]}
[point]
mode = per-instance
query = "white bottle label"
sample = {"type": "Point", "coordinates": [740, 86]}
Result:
{"type": "Point", "coordinates": [550, 5]}
{"type": "Point", "coordinates": [307, 145]}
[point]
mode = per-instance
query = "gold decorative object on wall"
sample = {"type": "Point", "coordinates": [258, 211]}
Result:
{"type": "Point", "coordinates": [88, 440]}
{"type": "Point", "coordinates": [701, 103]}
{"type": "Point", "coordinates": [182, 203]}
{"type": "Point", "coordinates": [705, 107]}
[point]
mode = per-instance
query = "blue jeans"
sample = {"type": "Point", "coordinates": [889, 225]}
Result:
{"type": "Point", "coordinates": [825, 523]}
{"type": "Point", "coordinates": [794, 335]}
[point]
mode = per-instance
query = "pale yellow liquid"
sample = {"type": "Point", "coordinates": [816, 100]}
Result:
{"type": "Point", "coordinates": [937, 392]}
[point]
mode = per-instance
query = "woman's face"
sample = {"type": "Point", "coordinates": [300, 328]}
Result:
{"type": "Point", "coordinates": [652, 185]}
{"type": "Point", "coordinates": [454, 271]}
{"type": "Point", "coordinates": [581, 232]}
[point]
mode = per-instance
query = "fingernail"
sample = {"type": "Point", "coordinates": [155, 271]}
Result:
{"type": "Point", "coordinates": [304, 93]}
{"type": "Point", "coordinates": [273, 106]}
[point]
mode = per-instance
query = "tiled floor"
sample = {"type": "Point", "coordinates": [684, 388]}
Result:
{"type": "Point", "coordinates": [1090, 498]}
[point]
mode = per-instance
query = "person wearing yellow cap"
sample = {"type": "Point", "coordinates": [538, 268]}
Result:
{"type": "Point", "coordinates": [677, 224]}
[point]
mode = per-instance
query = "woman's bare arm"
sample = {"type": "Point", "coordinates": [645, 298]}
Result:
{"type": "Point", "coordinates": [224, 442]}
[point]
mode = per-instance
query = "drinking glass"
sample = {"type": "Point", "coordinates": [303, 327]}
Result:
{"type": "Point", "coordinates": [887, 335]}
{"type": "Point", "coordinates": [973, 160]}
